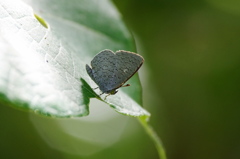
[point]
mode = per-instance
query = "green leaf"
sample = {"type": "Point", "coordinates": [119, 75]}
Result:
{"type": "Point", "coordinates": [43, 60]}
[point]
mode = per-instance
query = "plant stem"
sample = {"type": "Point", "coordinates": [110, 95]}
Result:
{"type": "Point", "coordinates": [154, 137]}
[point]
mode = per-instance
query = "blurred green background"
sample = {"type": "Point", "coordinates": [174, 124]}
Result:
{"type": "Point", "coordinates": [190, 86]}
{"type": "Point", "coordinates": [192, 51]}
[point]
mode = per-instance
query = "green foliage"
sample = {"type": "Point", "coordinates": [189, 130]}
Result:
{"type": "Point", "coordinates": [43, 60]}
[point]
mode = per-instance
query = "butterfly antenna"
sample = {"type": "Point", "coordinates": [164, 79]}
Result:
{"type": "Point", "coordinates": [126, 85]}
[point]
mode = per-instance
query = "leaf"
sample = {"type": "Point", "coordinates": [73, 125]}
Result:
{"type": "Point", "coordinates": [44, 53]}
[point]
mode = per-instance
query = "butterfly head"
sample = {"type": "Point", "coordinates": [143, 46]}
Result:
{"type": "Point", "coordinates": [114, 91]}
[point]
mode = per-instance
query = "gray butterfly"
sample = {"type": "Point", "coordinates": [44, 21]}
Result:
{"type": "Point", "coordinates": [111, 70]}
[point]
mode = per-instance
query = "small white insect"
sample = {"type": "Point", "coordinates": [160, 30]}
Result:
{"type": "Point", "coordinates": [111, 70]}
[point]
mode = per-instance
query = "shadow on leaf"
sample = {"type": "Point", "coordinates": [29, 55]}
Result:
{"type": "Point", "coordinates": [87, 91]}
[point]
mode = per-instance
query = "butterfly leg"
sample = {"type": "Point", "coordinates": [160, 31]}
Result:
{"type": "Point", "coordinates": [95, 88]}
{"type": "Point", "coordinates": [106, 96]}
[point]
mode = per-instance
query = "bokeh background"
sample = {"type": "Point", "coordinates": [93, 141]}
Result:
{"type": "Point", "coordinates": [190, 85]}
{"type": "Point", "coordinates": [192, 51]}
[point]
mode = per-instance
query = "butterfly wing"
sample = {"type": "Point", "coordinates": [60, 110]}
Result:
{"type": "Point", "coordinates": [103, 68]}
{"type": "Point", "coordinates": [127, 64]}
{"type": "Point", "coordinates": [110, 71]}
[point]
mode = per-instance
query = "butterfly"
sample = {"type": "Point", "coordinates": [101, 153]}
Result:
{"type": "Point", "coordinates": [111, 71]}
